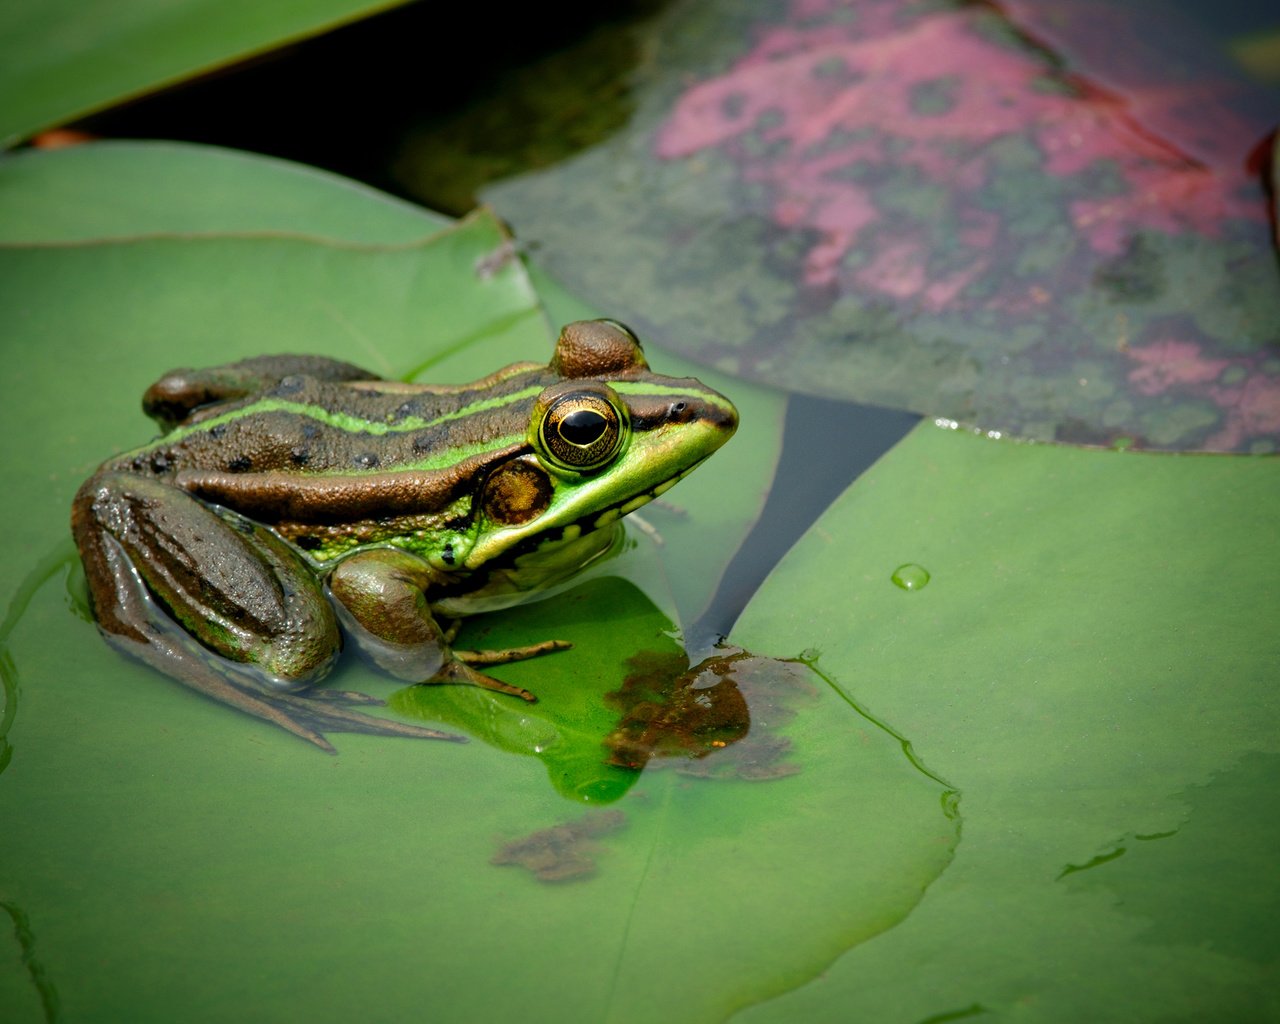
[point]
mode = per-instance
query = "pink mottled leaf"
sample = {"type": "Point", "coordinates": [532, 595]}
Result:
{"type": "Point", "coordinates": [988, 214]}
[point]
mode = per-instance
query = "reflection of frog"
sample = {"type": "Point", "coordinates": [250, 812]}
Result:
{"type": "Point", "coordinates": [287, 480]}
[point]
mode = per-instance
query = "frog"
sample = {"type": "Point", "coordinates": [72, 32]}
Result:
{"type": "Point", "coordinates": [294, 502]}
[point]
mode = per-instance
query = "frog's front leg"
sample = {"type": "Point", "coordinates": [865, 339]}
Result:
{"type": "Point", "coordinates": [383, 591]}
{"type": "Point", "coordinates": [232, 587]}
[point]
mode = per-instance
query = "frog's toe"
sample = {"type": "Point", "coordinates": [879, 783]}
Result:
{"type": "Point", "coordinates": [456, 672]}
{"type": "Point", "coordinates": [269, 709]}
{"type": "Point", "coordinates": [344, 697]}
{"type": "Point", "coordinates": [510, 654]}
{"type": "Point", "coordinates": [313, 718]}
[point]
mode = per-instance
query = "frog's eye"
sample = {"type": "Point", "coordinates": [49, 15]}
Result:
{"type": "Point", "coordinates": [580, 430]}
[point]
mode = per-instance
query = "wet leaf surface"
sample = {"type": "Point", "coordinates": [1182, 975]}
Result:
{"type": "Point", "coordinates": [607, 712]}
{"type": "Point", "coordinates": [1092, 666]}
{"type": "Point", "coordinates": [732, 705]}
{"type": "Point", "coordinates": [669, 710]}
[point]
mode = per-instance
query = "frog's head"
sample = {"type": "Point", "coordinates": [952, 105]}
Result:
{"type": "Point", "coordinates": [606, 438]}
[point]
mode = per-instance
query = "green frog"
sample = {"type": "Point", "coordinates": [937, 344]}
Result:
{"type": "Point", "coordinates": [293, 500]}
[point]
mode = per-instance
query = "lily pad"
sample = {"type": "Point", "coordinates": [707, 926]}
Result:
{"type": "Point", "coordinates": [925, 206]}
{"type": "Point", "coordinates": [107, 190]}
{"type": "Point", "coordinates": [61, 59]}
{"type": "Point", "coordinates": [272, 876]}
{"type": "Point", "coordinates": [1092, 663]}
{"type": "Point", "coordinates": [566, 729]}
{"type": "Point", "coordinates": [195, 893]}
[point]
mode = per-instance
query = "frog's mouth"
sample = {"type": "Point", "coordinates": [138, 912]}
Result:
{"type": "Point", "coordinates": [541, 565]}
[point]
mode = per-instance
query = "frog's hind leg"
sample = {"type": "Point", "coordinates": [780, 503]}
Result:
{"type": "Point", "coordinates": [230, 582]}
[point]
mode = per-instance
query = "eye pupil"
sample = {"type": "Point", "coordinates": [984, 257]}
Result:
{"type": "Point", "coordinates": [582, 427]}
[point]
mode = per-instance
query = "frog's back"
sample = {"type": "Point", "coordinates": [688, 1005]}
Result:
{"type": "Point", "coordinates": [307, 426]}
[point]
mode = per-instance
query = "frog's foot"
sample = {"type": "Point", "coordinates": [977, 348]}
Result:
{"type": "Point", "coordinates": [309, 715]}
{"type": "Point", "coordinates": [344, 697]}
{"type": "Point", "coordinates": [457, 671]}
{"type": "Point", "coordinates": [502, 657]}
{"type": "Point", "coordinates": [510, 654]}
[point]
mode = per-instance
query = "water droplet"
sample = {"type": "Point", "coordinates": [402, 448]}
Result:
{"type": "Point", "coordinates": [910, 576]}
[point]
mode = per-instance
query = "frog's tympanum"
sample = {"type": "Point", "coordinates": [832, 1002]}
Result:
{"type": "Point", "coordinates": [295, 498]}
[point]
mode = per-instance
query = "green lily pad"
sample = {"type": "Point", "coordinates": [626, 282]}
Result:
{"type": "Point", "coordinates": [233, 869]}
{"type": "Point", "coordinates": [566, 729]}
{"type": "Point", "coordinates": [229, 862]}
{"type": "Point", "coordinates": [106, 190]}
{"type": "Point", "coordinates": [1092, 663]}
{"type": "Point", "coordinates": [61, 59]}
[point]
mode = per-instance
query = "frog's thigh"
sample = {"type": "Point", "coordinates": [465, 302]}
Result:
{"type": "Point", "coordinates": [232, 584]}
{"type": "Point", "coordinates": [382, 593]}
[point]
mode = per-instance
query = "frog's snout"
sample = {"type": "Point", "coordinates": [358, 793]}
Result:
{"type": "Point", "coordinates": [717, 412]}
{"type": "Point", "coordinates": [725, 416]}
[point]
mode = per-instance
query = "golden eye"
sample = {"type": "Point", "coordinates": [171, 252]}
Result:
{"type": "Point", "coordinates": [581, 430]}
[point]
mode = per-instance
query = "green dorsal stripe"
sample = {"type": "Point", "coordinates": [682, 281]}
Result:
{"type": "Point", "coordinates": [441, 460]}
{"type": "Point", "coordinates": [653, 389]}
{"type": "Point", "coordinates": [647, 389]}
{"type": "Point", "coordinates": [345, 421]}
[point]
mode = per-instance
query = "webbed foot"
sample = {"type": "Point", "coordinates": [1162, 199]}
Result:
{"type": "Point", "coordinates": [458, 670]}
{"type": "Point", "coordinates": [309, 716]}
{"type": "Point", "coordinates": [306, 714]}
